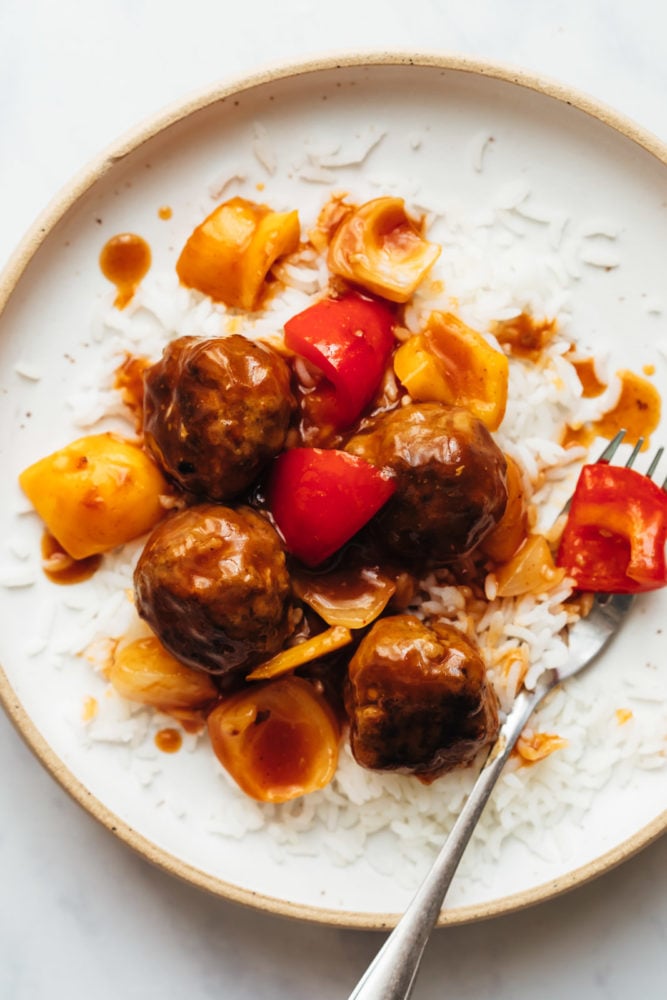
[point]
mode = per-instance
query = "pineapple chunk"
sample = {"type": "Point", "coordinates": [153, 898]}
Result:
{"type": "Point", "coordinates": [451, 363]}
{"type": "Point", "coordinates": [96, 493]}
{"type": "Point", "coordinates": [229, 255]}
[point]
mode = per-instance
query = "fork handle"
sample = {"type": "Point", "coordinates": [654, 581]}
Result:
{"type": "Point", "coordinates": [392, 973]}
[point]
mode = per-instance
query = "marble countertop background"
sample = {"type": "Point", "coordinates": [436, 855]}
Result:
{"type": "Point", "coordinates": [82, 917]}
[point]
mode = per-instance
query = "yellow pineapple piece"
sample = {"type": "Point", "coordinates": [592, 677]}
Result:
{"type": "Point", "coordinates": [96, 493]}
{"type": "Point", "coordinates": [229, 255]}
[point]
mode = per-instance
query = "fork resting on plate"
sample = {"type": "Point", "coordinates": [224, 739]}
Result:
{"type": "Point", "coordinates": [392, 974]}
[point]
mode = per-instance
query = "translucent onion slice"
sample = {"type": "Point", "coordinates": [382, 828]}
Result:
{"type": "Point", "coordinates": [512, 529]}
{"type": "Point", "coordinates": [531, 570]}
{"type": "Point", "coordinates": [144, 671]}
{"type": "Point", "coordinates": [348, 597]}
{"type": "Point", "coordinates": [278, 741]}
{"type": "Point", "coordinates": [381, 249]}
{"type": "Point", "coordinates": [296, 656]}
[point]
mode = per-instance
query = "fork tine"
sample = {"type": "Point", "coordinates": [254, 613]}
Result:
{"type": "Point", "coordinates": [604, 456]}
{"type": "Point", "coordinates": [612, 447]}
{"type": "Point", "coordinates": [610, 451]}
{"type": "Point", "coordinates": [635, 451]}
{"type": "Point", "coordinates": [654, 464]}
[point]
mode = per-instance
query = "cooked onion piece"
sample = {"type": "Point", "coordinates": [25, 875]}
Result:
{"type": "Point", "coordinates": [504, 540]}
{"type": "Point", "coordinates": [144, 671]}
{"type": "Point", "coordinates": [381, 249]}
{"type": "Point", "coordinates": [304, 652]}
{"type": "Point", "coordinates": [229, 255]}
{"type": "Point", "coordinates": [531, 570]}
{"type": "Point", "coordinates": [331, 215]}
{"type": "Point", "coordinates": [449, 362]}
{"type": "Point", "coordinates": [353, 598]}
{"type": "Point", "coordinates": [96, 493]}
{"type": "Point", "coordinates": [277, 740]}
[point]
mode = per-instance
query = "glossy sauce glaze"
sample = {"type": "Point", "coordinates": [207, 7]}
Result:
{"type": "Point", "coordinates": [168, 740]}
{"type": "Point", "coordinates": [60, 567]}
{"type": "Point", "coordinates": [124, 260]}
{"type": "Point", "coordinates": [282, 751]}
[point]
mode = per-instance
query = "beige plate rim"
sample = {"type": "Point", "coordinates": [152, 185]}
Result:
{"type": "Point", "coordinates": [39, 232]}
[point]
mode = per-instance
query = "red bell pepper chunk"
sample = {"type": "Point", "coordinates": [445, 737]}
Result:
{"type": "Point", "coordinates": [320, 498]}
{"type": "Point", "coordinates": [350, 340]}
{"type": "Point", "coordinates": [615, 535]}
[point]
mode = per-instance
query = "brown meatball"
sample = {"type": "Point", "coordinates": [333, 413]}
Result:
{"type": "Point", "coordinates": [450, 477]}
{"type": "Point", "coordinates": [213, 585]}
{"type": "Point", "coordinates": [215, 412]}
{"type": "Point", "coordinates": [417, 698]}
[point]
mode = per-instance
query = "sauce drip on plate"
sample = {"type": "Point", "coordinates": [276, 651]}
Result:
{"type": "Point", "coordinates": [168, 740]}
{"type": "Point", "coordinates": [524, 336]}
{"type": "Point", "coordinates": [124, 260]}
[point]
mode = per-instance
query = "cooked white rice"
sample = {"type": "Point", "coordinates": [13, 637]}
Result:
{"type": "Point", "coordinates": [482, 285]}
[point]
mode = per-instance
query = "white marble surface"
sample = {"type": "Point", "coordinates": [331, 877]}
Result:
{"type": "Point", "coordinates": [82, 917]}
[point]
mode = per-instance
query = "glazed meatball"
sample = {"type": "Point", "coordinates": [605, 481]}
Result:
{"type": "Point", "coordinates": [212, 584]}
{"type": "Point", "coordinates": [417, 698]}
{"type": "Point", "coordinates": [215, 412]}
{"type": "Point", "coordinates": [450, 477]}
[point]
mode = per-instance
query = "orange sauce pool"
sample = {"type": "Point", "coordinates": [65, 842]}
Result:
{"type": "Point", "coordinates": [168, 740]}
{"type": "Point", "coordinates": [590, 383]}
{"type": "Point", "coordinates": [525, 336]}
{"type": "Point", "coordinates": [164, 212]}
{"type": "Point", "coordinates": [637, 410]}
{"type": "Point", "coordinates": [282, 753]}
{"type": "Point", "coordinates": [192, 720]}
{"type": "Point", "coordinates": [124, 260]}
{"type": "Point", "coordinates": [60, 567]}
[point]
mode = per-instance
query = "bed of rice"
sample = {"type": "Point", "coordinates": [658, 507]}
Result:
{"type": "Point", "coordinates": [481, 285]}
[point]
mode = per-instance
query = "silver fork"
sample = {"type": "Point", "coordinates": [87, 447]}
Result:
{"type": "Point", "coordinates": [392, 974]}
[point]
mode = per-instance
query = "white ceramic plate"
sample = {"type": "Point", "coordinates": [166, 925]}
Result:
{"type": "Point", "coordinates": [450, 130]}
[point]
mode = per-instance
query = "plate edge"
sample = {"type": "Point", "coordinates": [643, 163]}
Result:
{"type": "Point", "coordinates": [136, 136]}
{"type": "Point", "coordinates": [18, 261]}
{"type": "Point", "coordinates": [162, 859]}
